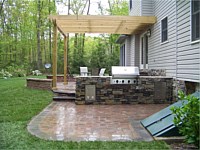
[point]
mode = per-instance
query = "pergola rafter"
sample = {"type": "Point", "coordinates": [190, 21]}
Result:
{"type": "Point", "coordinates": [95, 24]}
{"type": "Point", "coordinates": [103, 24]}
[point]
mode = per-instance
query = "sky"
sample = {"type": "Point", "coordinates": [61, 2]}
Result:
{"type": "Point", "coordinates": [62, 10]}
{"type": "Point", "coordinates": [93, 7]}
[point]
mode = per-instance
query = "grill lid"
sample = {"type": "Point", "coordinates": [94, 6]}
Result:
{"type": "Point", "coordinates": [124, 72]}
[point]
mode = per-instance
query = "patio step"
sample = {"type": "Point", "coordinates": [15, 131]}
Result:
{"type": "Point", "coordinates": [63, 98]}
{"type": "Point", "coordinates": [64, 95]}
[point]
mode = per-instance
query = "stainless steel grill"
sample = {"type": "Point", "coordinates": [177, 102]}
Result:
{"type": "Point", "coordinates": [124, 75]}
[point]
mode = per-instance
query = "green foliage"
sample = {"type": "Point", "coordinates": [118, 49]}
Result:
{"type": "Point", "coordinates": [5, 74]}
{"type": "Point", "coordinates": [19, 104]}
{"type": "Point", "coordinates": [17, 71]}
{"type": "Point", "coordinates": [187, 118]}
{"type": "Point", "coordinates": [18, 32]}
{"type": "Point", "coordinates": [99, 52]}
{"type": "Point", "coordinates": [118, 7]}
{"type": "Point", "coordinates": [20, 24]}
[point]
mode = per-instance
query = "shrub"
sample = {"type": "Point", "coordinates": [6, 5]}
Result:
{"type": "Point", "coordinates": [17, 71]}
{"type": "Point", "coordinates": [187, 118]}
{"type": "Point", "coordinates": [5, 74]}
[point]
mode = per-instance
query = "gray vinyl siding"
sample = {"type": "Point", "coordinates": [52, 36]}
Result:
{"type": "Point", "coordinates": [132, 50]}
{"type": "Point", "coordinates": [136, 8]}
{"type": "Point", "coordinates": [128, 58]}
{"type": "Point", "coordinates": [141, 8]}
{"type": "Point", "coordinates": [163, 55]}
{"type": "Point", "coordinates": [188, 54]}
{"type": "Point", "coordinates": [147, 7]}
{"type": "Point", "coordinates": [178, 56]}
{"type": "Point", "coordinates": [137, 50]}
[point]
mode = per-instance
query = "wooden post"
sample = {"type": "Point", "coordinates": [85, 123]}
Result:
{"type": "Point", "coordinates": [65, 59]}
{"type": "Point", "coordinates": [54, 87]}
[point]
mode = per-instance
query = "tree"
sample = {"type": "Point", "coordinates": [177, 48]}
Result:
{"type": "Point", "coordinates": [39, 8]}
{"type": "Point", "coordinates": [24, 29]}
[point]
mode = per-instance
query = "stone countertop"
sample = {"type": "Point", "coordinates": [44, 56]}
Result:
{"type": "Point", "coordinates": [154, 77]}
{"type": "Point", "coordinates": [93, 77]}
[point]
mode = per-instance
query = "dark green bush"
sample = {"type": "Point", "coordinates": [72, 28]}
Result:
{"type": "Point", "coordinates": [187, 118]}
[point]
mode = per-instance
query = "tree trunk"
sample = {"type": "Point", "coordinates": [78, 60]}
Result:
{"type": "Point", "coordinates": [50, 45]}
{"type": "Point", "coordinates": [39, 62]}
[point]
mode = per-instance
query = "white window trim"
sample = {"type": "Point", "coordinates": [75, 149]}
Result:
{"type": "Point", "coordinates": [142, 65]}
{"type": "Point", "coordinates": [196, 41]}
{"type": "Point", "coordinates": [161, 30]}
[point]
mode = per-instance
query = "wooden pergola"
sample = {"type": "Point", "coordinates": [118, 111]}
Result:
{"type": "Point", "coordinates": [94, 24]}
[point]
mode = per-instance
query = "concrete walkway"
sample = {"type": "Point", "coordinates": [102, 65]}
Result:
{"type": "Point", "coordinates": [65, 121]}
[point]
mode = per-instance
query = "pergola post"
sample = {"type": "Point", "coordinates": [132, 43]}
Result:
{"type": "Point", "coordinates": [65, 59]}
{"type": "Point", "coordinates": [54, 87]}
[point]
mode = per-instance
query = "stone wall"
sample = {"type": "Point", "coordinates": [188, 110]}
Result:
{"type": "Point", "coordinates": [152, 72]}
{"type": "Point", "coordinates": [35, 83]}
{"type": "Point", "coordinates": [186, 86]}
{"type": "Point", "coordinates": [150, 89]}
{"type": "Point", "coordinates": [60, 78]}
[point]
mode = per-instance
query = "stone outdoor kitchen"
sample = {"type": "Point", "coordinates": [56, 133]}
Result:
{"type": "Point", "coordinates": [149, 88]}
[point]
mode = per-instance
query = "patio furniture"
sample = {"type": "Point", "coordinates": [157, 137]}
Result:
{"type": "Point", "coordinates": [36, 72]}
{"type": "Point", "coordinates": [102, 71]}
{"type": "Point", "coordinates": [83, 71]}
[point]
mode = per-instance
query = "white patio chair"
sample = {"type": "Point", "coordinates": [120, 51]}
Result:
{"type": "Point", "coordinates": [102, 71]}
{"type": "Point", "coordinates": [83, 71]}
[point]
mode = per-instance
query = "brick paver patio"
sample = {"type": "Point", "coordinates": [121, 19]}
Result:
{"type": "Point", "coordinates": [69, 122]}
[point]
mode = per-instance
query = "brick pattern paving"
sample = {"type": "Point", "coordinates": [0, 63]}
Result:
{"type": "Point", "coordinates": [66, 121]}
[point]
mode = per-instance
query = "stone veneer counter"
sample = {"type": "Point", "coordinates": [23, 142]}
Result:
{"type": "Point", "coordinates": [98, 90]}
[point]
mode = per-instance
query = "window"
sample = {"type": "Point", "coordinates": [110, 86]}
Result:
{"type": "Point", "coordinates": [142, 60]}
{"type": "Point", "coordinates": [164, 30]}
{"type": "Point", "coordinates": [130, 4]}
{"type": "Point", "coordinates": [195, 20]}
{"type": "Point", "coordinates": [122, 55]}
{"type": "Point", "coordinates": [146, 43]}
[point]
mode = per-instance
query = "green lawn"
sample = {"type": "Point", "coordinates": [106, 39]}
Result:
{"type": "Point", "coordinates": [19, 104]}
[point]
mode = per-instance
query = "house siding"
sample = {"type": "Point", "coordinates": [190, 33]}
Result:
{"type": "Point", "coordinates": [163, 55]}
{"type": "Point", "coordinates": [137, 50]}
{"type": "Point", "coordinates": [132, 50]}
{"type": "Point", "coordinates": [147, 7]}
{"type": "Point", "coordinates": [178, 56]}
{"type": "Point", "coordinates": [188, 54]}
{"type": "Point", "coordinates": [136, 8]}
{"type": "Point", "coordinates": [128, 57]}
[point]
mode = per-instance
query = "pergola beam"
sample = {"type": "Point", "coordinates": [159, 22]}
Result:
{"type": "Point", "coordinates": [102, 24]}
{"type": "Point", "coordinates": [144, 19]}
